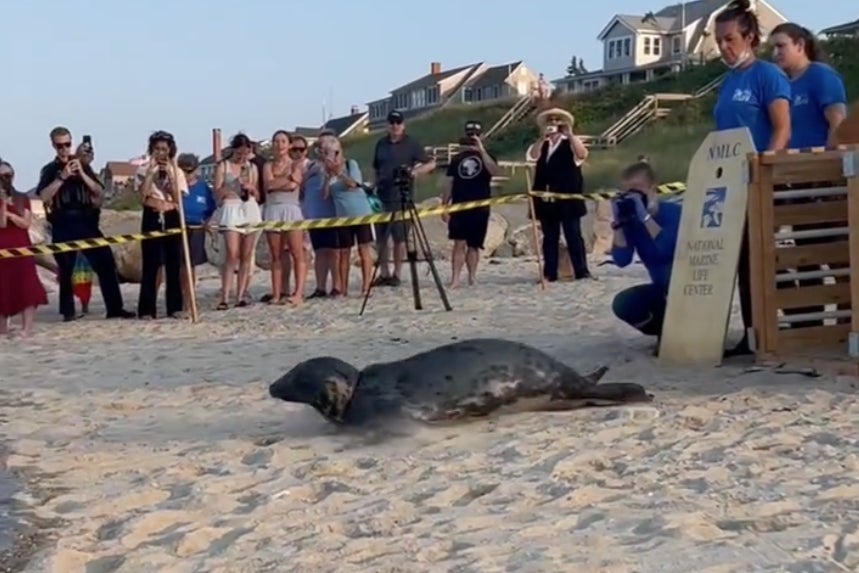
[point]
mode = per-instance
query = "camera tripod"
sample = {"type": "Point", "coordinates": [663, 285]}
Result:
{"type": "Point", "coordinates": [416, 238]}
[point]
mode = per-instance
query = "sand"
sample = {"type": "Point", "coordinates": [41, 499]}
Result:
{"type": "Point", "coordinates": [155, 447]}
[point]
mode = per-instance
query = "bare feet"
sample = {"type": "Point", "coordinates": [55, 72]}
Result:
{"type": "Point", "coordinates": [453, 284]}
{"type": "Point", "coordinates": [295, 300]}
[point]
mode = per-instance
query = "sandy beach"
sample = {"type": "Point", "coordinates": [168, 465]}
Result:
{"type": "Point", "coordinates": [154, 446]}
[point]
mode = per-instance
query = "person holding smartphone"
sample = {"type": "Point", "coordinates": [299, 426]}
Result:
{"type": "Point", "coordinates": [559, 157]}
{"type": "Point", "coordinates": [71, 191]}
{"type": "Point", "coordinates": [469, 178]}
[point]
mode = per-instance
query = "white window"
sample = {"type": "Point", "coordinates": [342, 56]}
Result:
{"type": "Point", "coordinates": [627, 46]}
{"type": "Point", "coordinates": [432, 95]}
{"type": "Point", "coordinates": [646, 46]}
{"type": "Point", "coordinates": [496, 92]}
{"type": "Point", "coordinates": [419, 99]}
{"type": "Point", "coordinates": [676, 44]}
{"type": "Point", "coordinates": [468, 95]}
{"type": "Point", "coordinates": [657, 46]}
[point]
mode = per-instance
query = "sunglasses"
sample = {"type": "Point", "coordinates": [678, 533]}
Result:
{"type": "Point", "coordinates": [299, 149]}
{"type": "Point", "coordinates": [396, 122]}
{"type": "Point", "coordinates": [63, 145]}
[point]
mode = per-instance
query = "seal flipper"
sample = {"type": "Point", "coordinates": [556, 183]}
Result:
{"type": "Point", "coordinates": [614, 393]}
{"type": "Point", "coordinates": [595, 376]}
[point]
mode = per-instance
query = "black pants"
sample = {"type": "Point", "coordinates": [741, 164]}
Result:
{"type": "Point", "coordinates": [744, 282]}
{"type": "Point", "coordinates": [166, 251]}
{"type": "Point", "coordinates": [552, 225]}
{"type": "Point", "coordinates": [75, 226]}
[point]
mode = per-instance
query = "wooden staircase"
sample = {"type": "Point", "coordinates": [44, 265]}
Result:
{"type": "Point", "coordinates": [520, 109]}
{"type": "Point", "coordinates": [650, 108]}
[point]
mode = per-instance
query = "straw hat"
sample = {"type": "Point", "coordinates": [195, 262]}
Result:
{"type": "Point", "coordinates": [562, 114]}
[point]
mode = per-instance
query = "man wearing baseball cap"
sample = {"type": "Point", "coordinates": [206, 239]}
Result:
{"type": "Point", "coordinates": [393, 150]}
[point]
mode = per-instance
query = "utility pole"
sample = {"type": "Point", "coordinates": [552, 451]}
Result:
{"type": "Point", "coordinates": [683, 41]}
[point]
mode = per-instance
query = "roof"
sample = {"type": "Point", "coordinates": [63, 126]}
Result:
{"type": "Point", "coordinates": [121, 168]}
{"type": "Point", "coordinates": [667, 20]}
{"type": "Point", "coordinates": [842, 28]}
{"type": "Point", "coordinates": [306, 131]}
{"type": "Point", "coordinates": [432, 79]}
{"type": "Point", "coordinates": [343, 124]}
{"type": "Point", "coordinates": [493, 76]}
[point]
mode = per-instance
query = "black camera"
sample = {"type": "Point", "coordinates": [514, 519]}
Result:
{"type": "Point", "coordinates": [402, 178]}
{"type": "Point", "coordinates": [626, 212]}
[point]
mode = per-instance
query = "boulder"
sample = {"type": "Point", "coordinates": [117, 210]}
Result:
{"type": "Point", "coordinates": [596, 232]}
{"type": "Point", "coordinates": [128, 256]}
{"type": "Point", "coordinates": [436, 231]}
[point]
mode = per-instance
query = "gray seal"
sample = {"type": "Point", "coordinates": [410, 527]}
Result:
{"type": "Point", "coordinates": [467, 379]}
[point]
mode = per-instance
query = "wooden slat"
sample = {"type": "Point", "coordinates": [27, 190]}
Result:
{"type": "Point", "coordinates": [812, 255]}
{"type": "Point", "coordinates": [762, 259]}
{"type": "Point", "coordinates": [853, 212]}
{"type": "Point", "coordinates": [811, 157]}
{"type": "Point", "coordinates": [809, 213]}
{"type": "Point", "coordinates": [796, 173]}
{"type": "Point", "coordinates": [818, 295]}
{"type": "Point", "coordinates": [796, 340]}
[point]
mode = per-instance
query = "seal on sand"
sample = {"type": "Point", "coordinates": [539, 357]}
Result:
{"type": "Point", "coordinates": [471, 378]}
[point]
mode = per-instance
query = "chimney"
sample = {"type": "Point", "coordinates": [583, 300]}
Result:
{"type": "Point", "coordinates": [354, 110]}
{"type": "Point", "coordinates": [435, 68]}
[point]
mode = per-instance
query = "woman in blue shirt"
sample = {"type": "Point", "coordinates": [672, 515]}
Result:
{"type": "Point", "coordinates": [756, 95]}
{"type": "Point", "coordinates": [818, 105]}
{"type": "Point", "coordinates": [818, 99]}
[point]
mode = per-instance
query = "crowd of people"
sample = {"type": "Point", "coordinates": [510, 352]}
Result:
{"type": "Point", "coordinates": [798, 101]}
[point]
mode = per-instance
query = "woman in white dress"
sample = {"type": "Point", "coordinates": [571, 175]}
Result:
{"type": "Point", "coordinates": [282, 179]}
{"type": "Point", "coordinates": [237, 193]}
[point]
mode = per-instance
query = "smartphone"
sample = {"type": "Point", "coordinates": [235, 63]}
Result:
{"type": "Point", "coordinates": [88, 139]}
{"type": "Point", "coordinates": [551, 129]}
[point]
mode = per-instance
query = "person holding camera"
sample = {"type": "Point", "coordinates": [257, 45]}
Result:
{"type": "Point", "coordinates": [71, 193]}
{"type": "Point", "coordinates": [559, 157]}
{"type": "Point", "coordinates": [469, 178]}
{"type": "Point", "coordinates": [237, 192]}
{"type": "Point", "coordinates": [162, 186]}
{"type": "Point", "coordinates": [646, 226]}
{"type": "Point", "coordinates": [21, 291]}
{"type": "Point", "coordinates": [397, 160]}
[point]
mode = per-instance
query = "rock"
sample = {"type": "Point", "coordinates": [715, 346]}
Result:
{"type": "Point", "coordinates": [436, 231]}
{"type": "Point", "coordinates": [596, 232]}
{"type": "Point", "coordinates": [262, 253]}
{"type": "Point", "coordinates": [128, 256]}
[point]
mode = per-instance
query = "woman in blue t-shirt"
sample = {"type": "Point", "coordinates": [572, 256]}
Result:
{"type": "Point", "coordinates": [818, 102]}
{"type": "Point", "coordinates": [755, 94]}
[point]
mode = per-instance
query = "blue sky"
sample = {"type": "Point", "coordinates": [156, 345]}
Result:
{"type": "Point", "coordinates": [120, 69]}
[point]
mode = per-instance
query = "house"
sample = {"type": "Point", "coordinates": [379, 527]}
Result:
{"type": "Point", "coordinates": [642, 48]}
{"type": "Point", "coordinates": [423, 94]}
{"type": "Point", "coordinates": [472, 83]}
{"type": "Point", "coordinates": [117, 176]}
{"type": "Point", "coordinates": [850, 30]}
{"type": "Point", "coordinates": [511, 80]}
{"type": "Point", "coordinates": [354, 123]}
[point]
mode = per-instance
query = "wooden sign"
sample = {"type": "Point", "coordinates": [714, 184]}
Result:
{"type": "Point", "coordinates": [708, 249]}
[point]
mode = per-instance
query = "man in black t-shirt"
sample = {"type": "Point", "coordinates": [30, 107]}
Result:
{"type": "Point", "coordinates": [72, 192]}
{"type": "Point", "coordinates": [469, 178]}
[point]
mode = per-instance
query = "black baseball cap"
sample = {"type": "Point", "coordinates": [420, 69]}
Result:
{"type": "Point", "coordinates": [473, 127]}
{"type": "Point", "coordinates": [395, 117]}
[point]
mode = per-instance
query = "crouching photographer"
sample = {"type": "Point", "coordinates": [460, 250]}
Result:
{"type": "Point", "coordinates": [645, 226]}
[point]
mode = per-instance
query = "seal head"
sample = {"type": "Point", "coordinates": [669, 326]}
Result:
{"type": "Point", "coordinates": [325, 383]}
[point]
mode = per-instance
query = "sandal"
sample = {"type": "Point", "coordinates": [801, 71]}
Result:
{"type": "Point", "coordinates": [222, 306]}
{"type": "Point", "coordinates": [335, 293]}
{"type": "Point", "coordinates": [242, 303]}
{"type": "Point", "coordinates": [318, 294]}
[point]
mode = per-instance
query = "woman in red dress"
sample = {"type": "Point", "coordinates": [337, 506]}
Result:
{"type": "Point", "coordinates": [21, 291]}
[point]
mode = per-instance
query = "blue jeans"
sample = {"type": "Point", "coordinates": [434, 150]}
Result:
{"type": "Point", "coordinates": [642, 307]}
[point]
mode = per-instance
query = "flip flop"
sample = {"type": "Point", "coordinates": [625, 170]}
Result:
{"type": "Point", "coordinates": [222, 306]}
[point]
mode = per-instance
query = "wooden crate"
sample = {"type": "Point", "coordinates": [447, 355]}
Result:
{"type": "Point", "coordinates": [776, 211]}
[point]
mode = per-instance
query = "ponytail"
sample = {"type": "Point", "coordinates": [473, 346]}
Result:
{"type": "Point", "coordinates": [740, 11]}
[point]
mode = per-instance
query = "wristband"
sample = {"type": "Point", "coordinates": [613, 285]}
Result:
{"type": "Point", "coordinates": [647, 218]}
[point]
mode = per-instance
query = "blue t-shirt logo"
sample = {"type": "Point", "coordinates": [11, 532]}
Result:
{"type": "Point", "coordinates": [744, 96]}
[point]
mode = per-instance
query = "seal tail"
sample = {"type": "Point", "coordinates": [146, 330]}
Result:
{"type": "Point", "coordinates": [617, 392]}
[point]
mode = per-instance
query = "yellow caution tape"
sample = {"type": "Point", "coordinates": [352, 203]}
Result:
{"type": "Point", "coordinates": [330, 223]}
